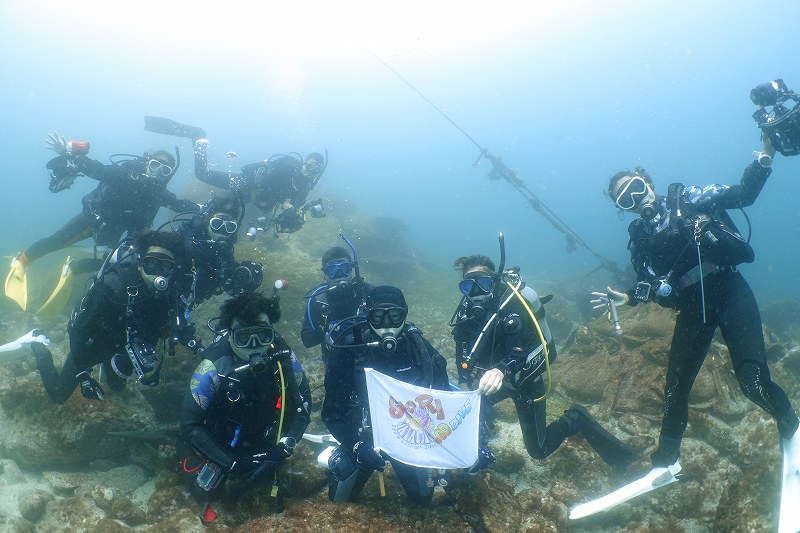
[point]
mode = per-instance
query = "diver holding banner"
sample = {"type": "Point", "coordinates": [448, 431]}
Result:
{"type": "Point", "coordinates": [386, 342]}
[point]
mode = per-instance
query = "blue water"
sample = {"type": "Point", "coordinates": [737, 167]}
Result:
{"type": "Point", "coordinates": [566, 92]}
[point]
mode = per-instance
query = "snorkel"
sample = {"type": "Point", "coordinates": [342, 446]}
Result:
{"type": "Point", "coordinates": [500, 268]}
{"type": "Point", "coordinates": [177, 164]}
{"type": "Point", "coordinates": [355, 257]}
{"type": "Point", "coordinates": [358, 281]}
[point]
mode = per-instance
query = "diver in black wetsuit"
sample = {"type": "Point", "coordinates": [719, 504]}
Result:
{"type": "Point", "coordinates": [122, 322]}
{"type": "Point", "coordinates": [127, 198]}
{"type": "Point", "coordinates": [207, 265]}
{"type": "Point", "coordinates": [329, 303]}
{"type": "Point", "coordinates": [497, 338]}
{"type": "Point", "coordinates": [281, 182]}
{"type": "Point", "coordinates": [247, 404]}
{"type": "Point", "coordinates": [382, 340]}
{"type": "Point", "coordinates": [685, 248]}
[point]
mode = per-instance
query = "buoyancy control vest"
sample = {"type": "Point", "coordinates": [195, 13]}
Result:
{"type": "Point", "coordinates": [355, 335]}
{"type": "Point", "coordinates": [248, 405]}
{"type": "Point", "coordinates": [671, 249]}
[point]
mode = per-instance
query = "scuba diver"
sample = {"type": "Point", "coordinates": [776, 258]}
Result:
{"type": "Point", "coordinates": [342, 296]}
{"type": "Point", "coordinates": [685, 249]}
{"type": "Point", "coordinates": [127, 198]}
{"type": "Point", "coordinates": [247, 405]}
{"type": "Point", "coordinates": [503, 339]}
{"type": "Point", "coordinates": [122, 319]}
{"type": "Point", "coordinates": [207, 265]}
{"type": "Point", "coordinates": [278, 185]}
{"type": "Point", "coordinates": [382, 340]}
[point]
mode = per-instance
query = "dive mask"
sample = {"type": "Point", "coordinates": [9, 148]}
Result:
{"type": "Point", "coordinates": [156, 267]}
{"type": "Point", "coordinates": [388, 316]}
{"type": "Point", "coordinates": [311, 168]}
{"type": "Point", "coordinates": [156, 168]}
{"type": "Point", "coordinates": [252, 337]}
{"type": "Point", "coordinates": [633, 193]}
{"type": "Point", "coordinates": [387, 322]}
{"type": "Point", "coordinates": [338, 269]}
{"type": "Point", "coordinates": [476, 286]}
{"type": "Point", "coordinates": [223, 224]}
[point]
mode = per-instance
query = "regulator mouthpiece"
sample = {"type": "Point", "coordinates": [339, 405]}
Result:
{"type": "Point", "coordinates": [160, 283]}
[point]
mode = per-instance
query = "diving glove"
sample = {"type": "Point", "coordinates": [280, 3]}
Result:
{"type": "Point", "coordinates": [59, 145]}
{"type": "Point", "coordinates": [767, 152]}
{"type": "Point", "coordinates": [367, 457]}
{"type": "Point", "coordinates": [602, 299]}
{"type": "Point", "coordinates": [90, 388]}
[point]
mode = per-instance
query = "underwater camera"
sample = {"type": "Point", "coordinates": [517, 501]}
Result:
{"type": "Point", "coordinates": [779, 122]}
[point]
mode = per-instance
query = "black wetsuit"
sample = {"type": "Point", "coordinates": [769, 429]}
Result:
{"type": "Point", "coordinates": [668, 244]}
{"type": "Point", "coordinates": [266, 184]}
{"type": "Point", "coordinates": [207, 268]}
{"type": "Point", "coordinates": [99, 325]}
{"type": "Point", "coordinates": [228, 415]}
{"type": "Point", "coordinates": [512, 344]}
{"type": "Point", "coordinates": [326, 306]}
{"type": "Point", "coordinates": [125, 200]}
{"type": "Point", "coordinates": [346, 405]}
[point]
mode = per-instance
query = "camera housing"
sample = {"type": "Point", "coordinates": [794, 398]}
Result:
{"type": "Point", "coordinates": [779, 121]}
{"type": "Point", "coordinates": [642, 291]}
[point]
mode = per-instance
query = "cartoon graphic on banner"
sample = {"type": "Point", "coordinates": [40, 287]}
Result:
{"type": "Point", "coordinates": [423, 427]}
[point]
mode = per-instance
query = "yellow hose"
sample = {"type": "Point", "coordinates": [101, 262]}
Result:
{"type": "Point", "coordinates": [274, 492]}
{"type": "Point", "coordinates": [541, 337]}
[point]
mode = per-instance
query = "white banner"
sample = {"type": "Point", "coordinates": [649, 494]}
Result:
{"type": "Point", "coordinates": [423, 427]}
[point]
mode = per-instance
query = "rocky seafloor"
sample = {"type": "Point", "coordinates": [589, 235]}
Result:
{"type": "Point", "coordinates": [111, 466]}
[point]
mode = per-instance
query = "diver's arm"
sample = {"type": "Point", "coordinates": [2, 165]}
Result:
{"type": "Point", "coordinates": [98, 171]}
{"type": "Point", "coordinates": [299, 196]}
{"type": "Point", "coordinates": [216, 178]}
{"type": "Point", "coordinates": [223, 180]}
{"type": "Point", "coordinates": [312, 332]}
{"type": "Point", "coordinates": [731, 196]}
{"type": "Point", "coordinates": [639, 259]}
{"type": "Point", "coordinates": [341, 417]}
{"type": "Point", "coordinates": [178, 205]}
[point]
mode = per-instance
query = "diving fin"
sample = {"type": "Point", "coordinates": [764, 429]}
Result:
{"type": "Point", "coordinates": [60, 295]}
{"type": "Point", "coordinates": [789, 521]}
{"type": "Point", "coordinates": [655, 479]}
{"type": "Point", "coordinates": [17, 281]}
{"type": "Point", "coordinates": [170, 127]}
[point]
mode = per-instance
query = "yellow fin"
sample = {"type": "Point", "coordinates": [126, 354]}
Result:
{"type": "Point", "coordinates": [60, 295]}
{"type": "Point", "coordinates": [17, 283]}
